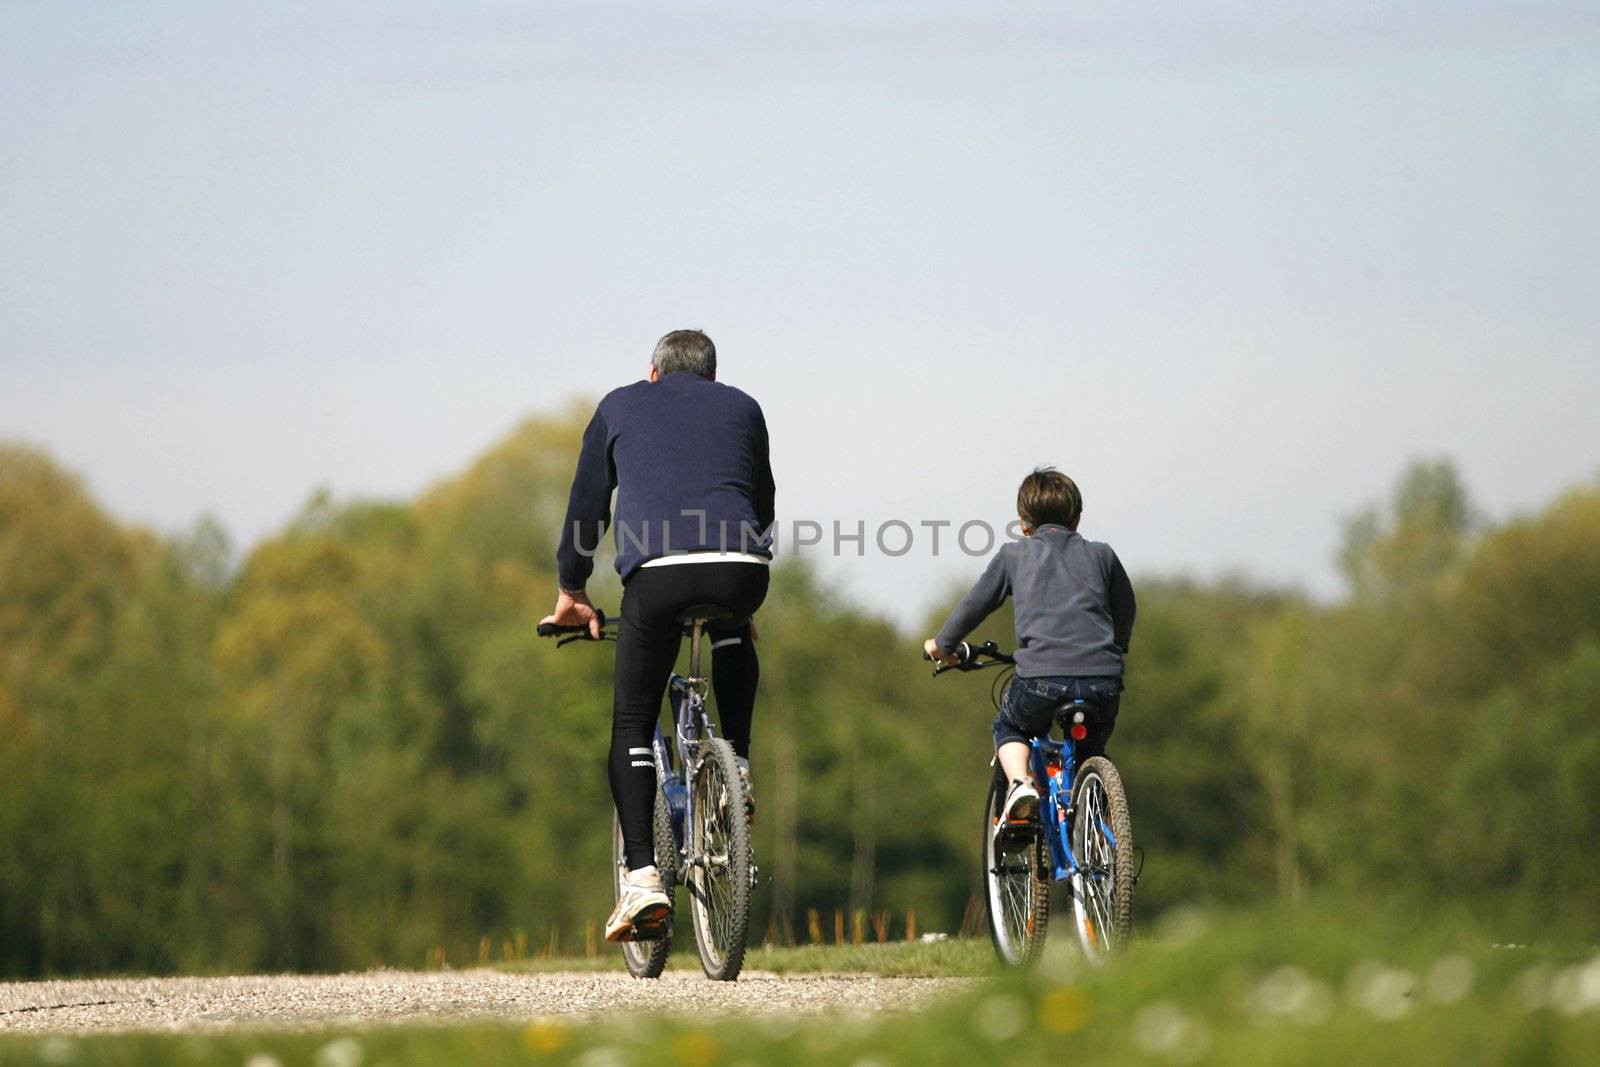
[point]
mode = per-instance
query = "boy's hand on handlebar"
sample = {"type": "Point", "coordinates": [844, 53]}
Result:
{"type": "Point", "coordinates": [574, 609]}
{"type": "Point", "coordinates": [930, 648]}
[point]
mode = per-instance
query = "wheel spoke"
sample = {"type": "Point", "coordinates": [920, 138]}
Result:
{"type": "Point", "coordinates": [721, 876]}
{"type": "Point", "coordinates": [1102, 841]}
{"type": "Point", "coordinates": [1090, 901]}
{"type": "Point", "coordinates": [713, 897]}
{"type": "Point", "coordinates": [1014, 877]}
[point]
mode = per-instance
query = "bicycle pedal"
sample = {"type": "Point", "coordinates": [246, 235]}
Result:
{"type": "Point", "coordinates": [1015, 831]}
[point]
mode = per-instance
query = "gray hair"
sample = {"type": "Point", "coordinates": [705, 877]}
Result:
{"type": "Point", "coordinates": [688, 350]}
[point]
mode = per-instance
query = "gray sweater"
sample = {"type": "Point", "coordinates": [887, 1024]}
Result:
{"type": "Point", "coordinates": [1074, 605]}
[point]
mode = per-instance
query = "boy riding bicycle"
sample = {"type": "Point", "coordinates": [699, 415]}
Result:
{"type": "Point", "coordinates": [1074, 610]}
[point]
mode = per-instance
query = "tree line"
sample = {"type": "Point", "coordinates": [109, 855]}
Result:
{"type": "Point", "coordinates": [350, 748]}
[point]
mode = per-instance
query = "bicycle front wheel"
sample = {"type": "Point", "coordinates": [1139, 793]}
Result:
{"type": "Point", "coordinates": [647, 959]}
{"type": "Point", "coordinates": [1016, 878]}
{"type": "Point", "coordinates": [720, 862]}
{"type": "Point", "coordinates": [1102, 840]}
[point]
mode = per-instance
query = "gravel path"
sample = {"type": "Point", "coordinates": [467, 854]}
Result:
{"type": "Point", "coordinates": [398, 997]}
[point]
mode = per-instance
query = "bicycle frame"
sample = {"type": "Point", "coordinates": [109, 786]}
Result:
{"type": "Point", "coordinates": [1056, 814]}
{"type": "Point", "coordinates": [691, 728]}
{"type": "Point", "coordinates": [1056, 811]}
{"type": "Point", "coordinates": [709, 849]}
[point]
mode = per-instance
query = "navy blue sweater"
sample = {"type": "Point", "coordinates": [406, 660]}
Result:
{"type": "Point", "coordinates": [688, 458]}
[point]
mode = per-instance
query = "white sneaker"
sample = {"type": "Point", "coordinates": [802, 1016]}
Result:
{"type": "Point", "coordinates": [1022, 802]}
{"type": "Point", "coordinates": [643, 907]}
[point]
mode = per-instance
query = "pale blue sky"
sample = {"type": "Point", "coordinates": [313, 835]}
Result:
{"type": "Point", "coordinates": [1228, 265]}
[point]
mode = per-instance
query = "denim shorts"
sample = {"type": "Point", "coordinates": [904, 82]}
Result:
{"type": "Point", "coordinates": [1028, 709]}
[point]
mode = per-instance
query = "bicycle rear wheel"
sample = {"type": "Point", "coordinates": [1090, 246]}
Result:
{"type": "Point", "coordinates": [1016, 878]}
{"type": "Point", "coordinates": [1102, 840]}
{"type": "Point", "coordinates": [720, 862]}
{"type": "Point", "coordinates": [647, 959]}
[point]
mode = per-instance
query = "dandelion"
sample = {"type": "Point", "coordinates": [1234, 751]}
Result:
{"type": "Point", "coordinates": [1386, 993]}
{"type": "Point", "coordinates": [1449, 980]}
{"type": "Point", "coordinates": [1164, 1030]}
{"type": "Point", "coordinates": [58, 1050]}
{"type": "Point", "coordinates": [694, 1048]}
{"type": "Point", "coordinates": [544, 1036]}
{"type": "Point", "coordinates": [601, 1056]}
{"type": "Point", "coordinates": [635, 1029]}
{"type": "Point", "coordinates": [1058, 964]}
{"type": "Point", "coordinates": [1000, 1017]}
{"type": "Point", "coordinates": [1064, 1011]}
{"type": "Point", "coordinates": [1576, 989]}
{"type": "Point", "coordinates": [1532, 987]}
{"type": "Point", "coordinates": [341, 1052]}
{"type": "Point", "coordinates": [1291, 993]}
{"type": "Point", "coordinates": [1590, 983]}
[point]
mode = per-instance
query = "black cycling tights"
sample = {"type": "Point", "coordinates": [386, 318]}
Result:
{"type": "Point", "coordinates": [647, 648]}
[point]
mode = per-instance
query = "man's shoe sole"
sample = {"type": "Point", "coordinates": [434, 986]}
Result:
{"type": "Point", "coordinates": [648, 925]}
{"type": "Point", "coordinates": [652, 925]}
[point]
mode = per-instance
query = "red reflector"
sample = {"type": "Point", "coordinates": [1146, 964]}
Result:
{"type": "Point", "coordinates": [1079, 731]}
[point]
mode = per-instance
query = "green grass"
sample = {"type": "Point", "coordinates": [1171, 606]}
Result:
{"type": "Point", "coordinates": [1339, 986]}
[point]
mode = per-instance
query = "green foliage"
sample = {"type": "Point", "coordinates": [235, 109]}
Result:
{"type": "Point", "coordinates": [1391, 557]}
{"type": "Point", "coordinates": [352, 749]}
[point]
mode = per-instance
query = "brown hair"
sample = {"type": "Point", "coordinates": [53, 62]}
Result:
{"type": "Point", "coordinates": [1048, 496]}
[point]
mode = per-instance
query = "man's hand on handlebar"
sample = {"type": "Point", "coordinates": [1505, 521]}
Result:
{"type": "Point", "coordinates": [573, 609]}
{"type": "Point", "coordinates": [930, 649]}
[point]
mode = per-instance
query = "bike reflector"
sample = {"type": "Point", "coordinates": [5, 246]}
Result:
{"type": "Point", "coordinates": [1078, 731]}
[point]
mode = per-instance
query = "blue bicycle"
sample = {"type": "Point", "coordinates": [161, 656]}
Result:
{"type": "Point", "coordinates": [701, 824]}
{"type": "Point", "coordinates": [1082, 835]}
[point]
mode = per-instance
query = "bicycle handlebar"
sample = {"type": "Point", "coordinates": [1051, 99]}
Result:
{"type": "Point", "coordinates": [550, 629]}
{"type": "Point", "coordinates": [970, 658]}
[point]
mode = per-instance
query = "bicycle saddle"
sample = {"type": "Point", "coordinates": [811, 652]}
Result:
{"type": "Point", "coordinates": [710, 614]}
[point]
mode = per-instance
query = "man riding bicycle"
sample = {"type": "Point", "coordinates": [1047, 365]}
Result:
{"type": "Point", "coordinates": [688, 459]}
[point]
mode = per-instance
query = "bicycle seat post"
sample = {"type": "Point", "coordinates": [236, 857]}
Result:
{"type": "Point", "coordinates": [695, 619]}
{"type": "Point", "coordinates": [694, 647]}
